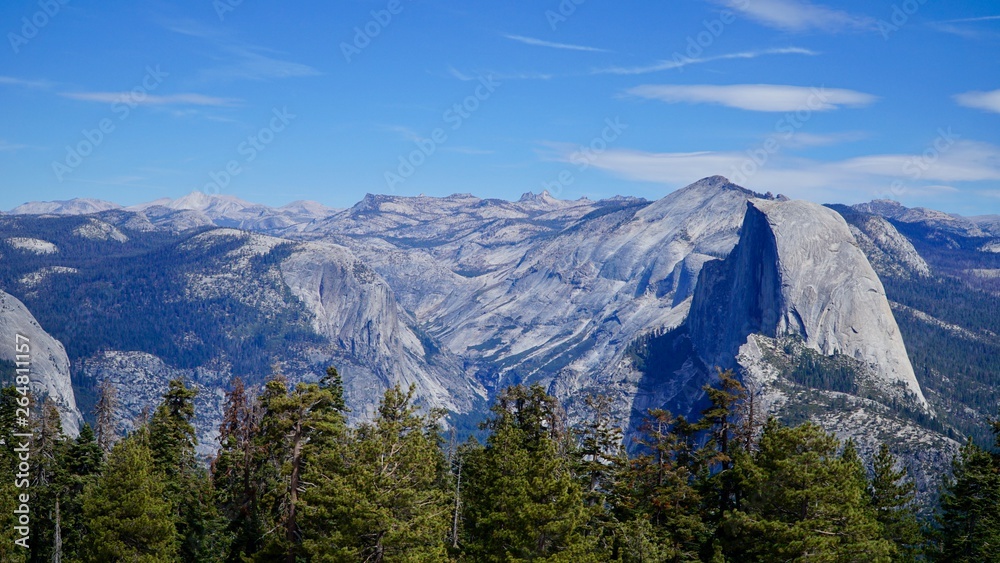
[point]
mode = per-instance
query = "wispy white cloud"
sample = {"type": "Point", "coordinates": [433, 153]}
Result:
{"type": "Point", "coordinates": [965, 161]}
{"type": "Point", "coordinates": [987, 101]}
{"type": "Point", "coordinates": [243, 61]}
{"type": "Point", "coordinates": [756, 97]}
{"type": "Point", "coordinates": [402, 132]}
{"type": "Point", "coordinates": [23, 83]}
{"type": "Point", "coordinates": [468, 150]}
{"type": "Point", "coordinates": [6, 146]}
{"type": "Point", "coordinates": [798, 15]}
{"type": "Point", "coordinates": [150, 99]}
{"type": "Point", "coordinates": [801, 139]}
{"type": "Point", "coordinates": [553, 45]}
{"type": "Point", "coordinates": [500, 76]}
{"type": "Point", "coordinates": [976, 19]}
{"type": "Point", "coordinates": [521, 75]}
{"type": "Point", "coordinates": [958, 30]}
{"type": "Point", "coordinates": [460, 75]}
{"type": "Point", "coordinates": [679, 61]}
{"type": "Point", "coordinates": [250, 64]}
{"type": "Point", "coordinates": [962, 28]}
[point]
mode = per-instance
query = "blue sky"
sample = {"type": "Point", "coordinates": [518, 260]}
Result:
{"type": "Point", "coordinates": [269, 102]}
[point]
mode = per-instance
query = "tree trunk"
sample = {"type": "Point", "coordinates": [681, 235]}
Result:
{"type": "Point", "coordinates": [57, 537]}
{"type": "Point", "coordinates": [458, 504]}
{"type": "Point", "coordinates": [293, 494]}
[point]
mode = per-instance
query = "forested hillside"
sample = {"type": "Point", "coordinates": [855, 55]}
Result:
{"type": "Point", "coordinates": [294, 482]}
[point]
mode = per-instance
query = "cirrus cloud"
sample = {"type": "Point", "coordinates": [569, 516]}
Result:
{"type": "Point", "coordinates": [553, 45]}
{"type": "Point", "coordinates": [987, 101]}
{"type": "Point", "coordinates": [756, 97]}
{"type": "Point", "coordinates": [150, 99]}
{"type": "Point", "coordinates": [798, 16]}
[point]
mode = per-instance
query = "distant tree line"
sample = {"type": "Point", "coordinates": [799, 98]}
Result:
{"type": "Point", "coordinates": [292, 481]}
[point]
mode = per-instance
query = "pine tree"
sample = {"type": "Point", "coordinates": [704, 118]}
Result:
{"type": "Point", "coordinates": [389, 496]}
{"type": "Point", "coordinates": [82, 465]}
{"type": "Point", "coordinates": [296, 426]}
{"type": "Point", "coordinates": [892, 498]}
{"type": "Point", "coordinates": [128, 517]}
{"type": "Point", "coordinates": [522, 501]}
{"type": "Point", "coordinates": [172, 442]}
{"type": "Point", "coordinates": [599, 450]}
{"type": "Point", "coordinates": [270, 455]}
{"type": "Point", "coordinates": [804, 502]}
{"type": "Point", "coordinates": [48, 448]}
{"type": "Point", "coordinates": [600, 443]}
{"type": "Point", "coordinates": [716, 481]}
{"type": "Point", "coordinates": [969, 521]}
{"type": "Point", "coordinates": [236, 473]}
{"type": "Point", "coordinates": [851, 457]}
{"type": "Point", "coordinates": [655, 497]}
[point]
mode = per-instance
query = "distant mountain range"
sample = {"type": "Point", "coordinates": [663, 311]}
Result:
{"type": "Point", "coordinates": [876, 320]}
{"type": "Point", "coordinates": [193, 210]}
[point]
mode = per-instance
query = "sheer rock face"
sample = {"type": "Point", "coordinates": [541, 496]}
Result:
{"type": "Point", "coordinates": [798, 270]}
{"type": "Point", "coordinates": [356, 310]}
{"type": "Point", "coordinates": [49, 373]}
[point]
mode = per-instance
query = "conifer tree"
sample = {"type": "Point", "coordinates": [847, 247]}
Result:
{"type": "Point", "coordinates": [295, 425]}
{"type": "Point", "coordinates": [599, 451]}
{"type": "Point", "coordinates": [600, 444]}
{"type": "Point", "coordinates": [82, 464]}
{"type": "Point", "coordinates": [717, 483]}
{"type": "Point", "coordinates": [389, 499]}
{"type": "Point", "coordinates": [969, 521]}
{"type": "Point", "coordinates": [48, 448]}
{"type": "Point", "coordinates": [805, 502]}
{"type": "Point", "coordinates": [188, 486]}
{"type": "Point", "coordinates": [655, 497]}
{"type": "Point", "coordinates": [128, 517]}
{"type": "Point", "coordinates": [892, 498]}
{"type": "Point", "coordinates": [522, 501]}
{"type": "Point", "coordinates": [270, 453]}
{"type": "Point", "coordinates": [237, 473]}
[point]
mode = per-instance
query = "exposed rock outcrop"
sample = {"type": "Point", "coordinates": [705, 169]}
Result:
{"type": "Point", "coordinates": [49, 371]}
{"type": "Point", "coordinates": [798, 270]}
